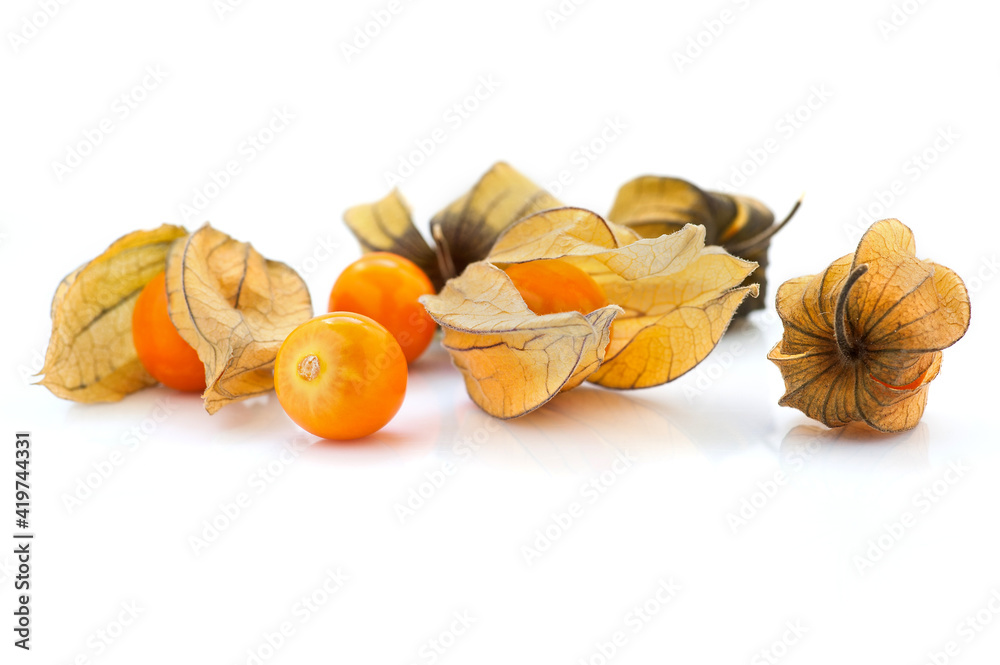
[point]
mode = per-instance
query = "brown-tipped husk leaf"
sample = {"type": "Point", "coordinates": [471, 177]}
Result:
{"type": "Point", "coordinates": [462, 233]}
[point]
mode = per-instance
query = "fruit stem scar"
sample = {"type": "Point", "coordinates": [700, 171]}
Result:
{"type": "Point", "coordinates": [844, 342]}
{"type": "Point", "coordinates": [309, 367]}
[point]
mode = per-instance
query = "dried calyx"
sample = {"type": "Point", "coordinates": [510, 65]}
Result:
{"type": "Point", "coordinates": [463, 232]}
{"type": "Point", "coordinates": [863, 339]}
{"type": "Point", "coordinates": [743, 226]}
{"type": "Point", "coordinates": [670, 300]}
{"type": "Point", "coordinates": [233, 306]}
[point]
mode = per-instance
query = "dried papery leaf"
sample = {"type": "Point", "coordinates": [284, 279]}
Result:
{"type": "Point", "coordinates": [63, 288]}
{"type": "Point", "coordinates": [387, 226]}
{"type": "Point", "coordinates": [594, 354]}
{"type": "Point", "coordinates": [235, 308]}
{"type": "Point", "coordinates": [652, 206]}
{"type": "Point", "coordinates": [607, 252]}
{"type": "Point", "coordinates": [863, 339]}
{"type": "Point", "coordinates": [671, 299]}
{"type": "Point", "coordinates": [91, 357]}
{"type": "Point", "coordinates": [468, 228]}
{"type": "Point", "coordinates": [514, 360]}
{"type": "Point", "coordinates": [463, 232]}
{"type": "Point", "coordinates": [677, 295]}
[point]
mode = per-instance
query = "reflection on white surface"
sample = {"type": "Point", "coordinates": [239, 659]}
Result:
{"type": "Point", "coordinates": [580, 431]}
{"type": "Point", "coordinates": [858, 448]}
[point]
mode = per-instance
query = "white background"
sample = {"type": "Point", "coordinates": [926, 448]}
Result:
{"type": "Point", "coordinates": [702, 445]}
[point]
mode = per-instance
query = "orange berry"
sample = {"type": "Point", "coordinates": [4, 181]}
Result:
{"type": "Point", "coordinates": [550, 286]}
{"type": "Point", "coordinates": [162, 350]}
{"type": "Point", "coordinates": [385, 287]}
{"type": "Point", "coordinates": [340, 376]}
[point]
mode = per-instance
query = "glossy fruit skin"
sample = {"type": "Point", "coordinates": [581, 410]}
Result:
{"type": "Point", "coordinates": [162, 350]}
{"type": "Point", "coordinates": [385, 287]}
{"type": "Point", "coordinates": [340, 376]}
{"type": "Point", "coordinates": [550, 286]}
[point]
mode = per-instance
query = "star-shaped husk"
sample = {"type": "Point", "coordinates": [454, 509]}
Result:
{"type": "Point", "coordinates": [863, 339]}
{"type": "Point", "coordinates": [671, 299]}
